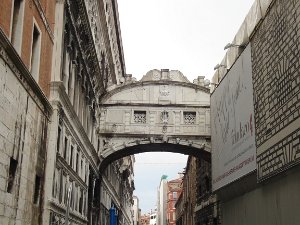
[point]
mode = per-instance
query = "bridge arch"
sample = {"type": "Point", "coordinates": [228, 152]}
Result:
{"type": "Point", "coordinates": [185, 148]}
{"type": "Point", "coordinates": [162, 112]}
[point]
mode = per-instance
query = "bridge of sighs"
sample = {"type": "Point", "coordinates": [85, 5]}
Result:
{"type": "Point", "coordinates": [161, 112]}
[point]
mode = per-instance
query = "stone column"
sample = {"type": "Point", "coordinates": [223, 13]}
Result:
{"type": "Point", "coordinates": [50, 165]}
{"type": "Point", "coordinates": [58, 40]}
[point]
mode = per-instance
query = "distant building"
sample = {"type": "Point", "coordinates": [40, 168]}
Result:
{"type": "Point", "coordinates": [145, 219]}
{"type": "Point", "coordinates": [162, 201]}
{"type": "Point", "coordinates": [187, 200]}
{"type": "Point", "coordinates": [174, 190]}
{"type": "Point", "coordinates": [135, 211]}
{"type": "Point", "coordinates": [153, 218]}
{"type": "Point", "coordinates": [207, 208]}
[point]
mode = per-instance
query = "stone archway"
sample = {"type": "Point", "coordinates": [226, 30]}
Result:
{"type": "Point", "coordinates": [162, 110]}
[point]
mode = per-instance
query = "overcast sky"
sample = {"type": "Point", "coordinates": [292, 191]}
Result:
{"type": "Point", "coordinates": [185, 35]}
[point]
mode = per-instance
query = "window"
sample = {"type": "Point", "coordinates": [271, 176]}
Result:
{"type": "Point", "coordinates": [12, 173]}
{"type": "Point", "coordinates": [139, 116]}
{"type": "Point", "coordinates": [58, 139]}
{"type": "Point", "coordinates": [37, 190]}
{"type": "Point", "coordinates": [98, 145]}
{"type": "Point", "coordinates": [35, 52]}
{"type": "Point", "coordinates": [81, 167]}
{"type": "Point", "coordinates": [65, 148]}
{"type": "Point", "coordinates": [71, 156]}
{"type": "Point", "coordinates": [81, 201]}
{"type": "Point", "coordinates": [175, 195]}
{"type": "Point", "coordinates": [77, 161]}
{"type": "Point", "coordinates": [17, 25]}
{"type": "Point", "coordinates": [207, 183]}
{"type": "Point", "coordinates": [189, 117]}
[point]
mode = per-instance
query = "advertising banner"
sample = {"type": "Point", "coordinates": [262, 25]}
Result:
{"type": "Point", "coordinates": [232, 124]}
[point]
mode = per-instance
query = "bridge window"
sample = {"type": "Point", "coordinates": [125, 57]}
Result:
{"type": "Point", "coordinates": [139, 116]}
{"type": "Point", "coordinates": [189, 117]}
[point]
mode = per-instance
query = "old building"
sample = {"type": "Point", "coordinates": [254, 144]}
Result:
{"type": "Point", "coordinates": [87, 61]}
{"type": "Point", "coordinates": [173, 192]}
{"type": "Point", "coordinates": [26, 34]}
{"type": "Point", "coordinates": [135, 211]}
{"type": "Point", "coordinates": [207, 208]}
{"type": "Point", "coordinates": [162, 192]}
{"type": "Point", "coordinates": [145, 219]}
{"type": "Point", "coordinates": [153, 217]}
{"type": "Point", "coordinates": [186, 202]}
{"type": "Point", "coordinates": [58, 58]}
{"type": "Point", "coordinates": [117, 191]}
{"type": "Point", "coordinates": [255, 146]}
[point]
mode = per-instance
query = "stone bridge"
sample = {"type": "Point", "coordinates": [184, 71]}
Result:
{"type": "Point", "coordinates": [161, 112]}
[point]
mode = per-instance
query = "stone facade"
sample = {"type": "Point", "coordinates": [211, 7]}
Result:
{"type": "Point", "coordinates": [117, 191]}
{"type": "Point", "coordinates": [23, 136]}
{"type": "Point", "coordinates": [57, 59]}
{"type": "Point", "coordinates": [163, 108]}
{"type": "Point", "coordinates": [83, 69]}
{"type": "Point", "coordinates": [25, 34]}
{"type": "Point", "coordinates": [185, 205]}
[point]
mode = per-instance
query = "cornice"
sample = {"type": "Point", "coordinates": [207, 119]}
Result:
{"type": "Point", "coordinates": [155, 83]}
{"type": "Point", "coordinates": [61, 209]}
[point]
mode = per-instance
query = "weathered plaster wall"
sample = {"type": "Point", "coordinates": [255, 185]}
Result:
{"type": "Point", "coordinates": [23, 132]}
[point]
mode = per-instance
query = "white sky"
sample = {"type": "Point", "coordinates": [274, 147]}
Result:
{"type": "Point", "coordinates": [185, 35]}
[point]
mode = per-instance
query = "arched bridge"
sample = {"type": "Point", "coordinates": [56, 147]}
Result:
{"type": "Point", "coordinates": [162, 112]}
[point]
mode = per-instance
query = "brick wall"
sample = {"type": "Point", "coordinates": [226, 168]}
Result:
{"type": "Point", "coordinates": [43, 13]}
{"type": "Point", "coordinates": [276, 82]}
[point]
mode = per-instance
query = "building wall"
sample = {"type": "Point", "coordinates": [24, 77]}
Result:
{"type": "Point", "coordinates": [135, 209]}
{"type": "Point", "coordinates": [162, 201]}
{"type": "Point", "coordinates": [276, 83]}
{"type": "Point", "coordinates": [40, 13]}
{"type": "Point", "coordinates": [185, 206]}
{"type": "Point", "coordinates": [207, 211]}
{"type": "Point", "coordinates": [80, 76]}
{"type": "Point", "coordinates": [174, 190]}
{"type": "Point", "coordinates": [25, 111]}
{"type": "Point", "coordinates": [273, 202]}
{"type": "Point", "coordinates": [117, 191]}
{"type": "Point", "coordinates": [24, 121]}
{"type": "Point", "coordinates": [271, 196]}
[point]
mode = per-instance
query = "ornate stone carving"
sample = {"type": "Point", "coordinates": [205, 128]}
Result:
{"type": "Point", "coordinates": [164, 117]}
{"type": "Point", "coordinates": [164, 92]}
{"type": "Point", "coordinates": [139, 116]}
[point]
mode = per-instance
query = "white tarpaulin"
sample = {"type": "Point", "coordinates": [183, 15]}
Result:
{"type": "Point", "coordinates": [232, 119]}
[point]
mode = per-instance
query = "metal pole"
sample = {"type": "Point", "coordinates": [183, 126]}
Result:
{"type": "Point", "coordinates": [68, 204]}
